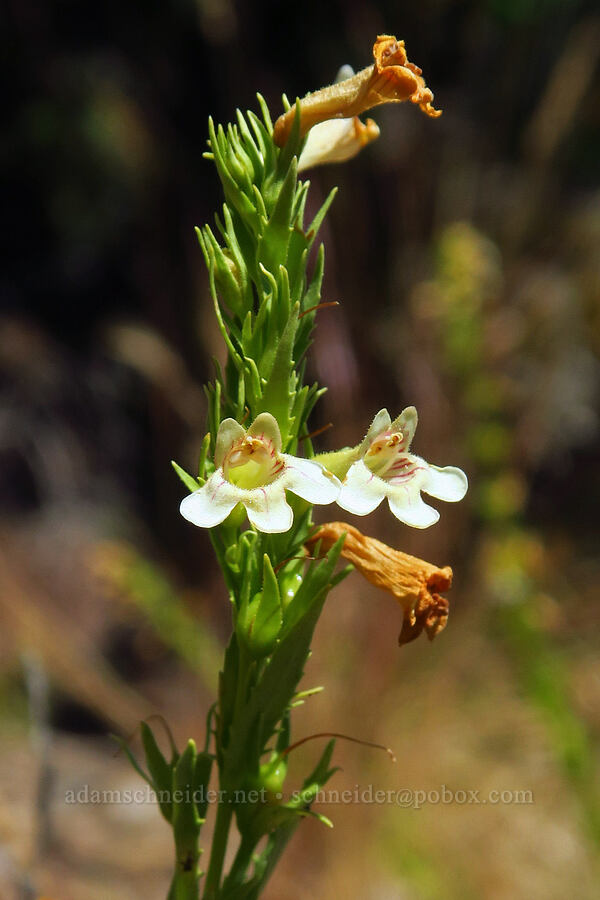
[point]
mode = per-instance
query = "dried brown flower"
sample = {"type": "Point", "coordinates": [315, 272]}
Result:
{"type": "Point", "coordinates": [415, 583]}
{"type": "Point", "coordinates": [336, 140]}
{"type": "Point", "coordinates": [391, 79]}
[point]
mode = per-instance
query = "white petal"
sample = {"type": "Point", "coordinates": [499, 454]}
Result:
{"type": "Point", "coordinates": [344, 72]}
{"type": "Point", "coordinates": [210, 505]}
{"type": "Point", "coordinates": [380, 423]}
{"type": "Point", "coordinates": [411, 510]}
{"type": "Point", "coordinates": [268, 509]}
{"type": "Point", "coordinates": [336, 140]}
{"type": "Point", "coordinates": [406, 423]}
{"type": "Point", "coordinates": [309, 480]}
{"type": "Point", "coordinates": [322, 141]}
{"type": "Point", "coordinates": [265, 426]}
{"type": "Point", "coordinates": [361, 492]}
{"type": "Point", "coordinates": [229, 432]}
{"type": "Point", "coordinates": [446, 484]}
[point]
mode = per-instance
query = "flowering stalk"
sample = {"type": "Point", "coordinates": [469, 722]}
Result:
{"type": "Point", "coordinates": [265, 301]}
{"type": "Point", "coordinates": [254, 490]}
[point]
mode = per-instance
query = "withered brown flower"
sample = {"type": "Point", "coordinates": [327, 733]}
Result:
{"type": "Point", "coordinates": [391, 79]}
{"type": "Point", "coordinates": [415, 583]}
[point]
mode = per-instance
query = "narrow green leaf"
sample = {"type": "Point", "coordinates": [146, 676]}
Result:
{"type": "Point", "coordinates": [242, 246]}
{"type": "Point", "coordinates": [203, 245]}
{"type": "Point", "coordinates": [284, 734]}
{"type": "Point", "coordinates": [265, 112]}
{"type": "Point", "coordinates": [201, 779]}
{"type": "Point", "coordinates": [260, 205]}
{"type": "Point", "coordinates": [274, 242]}
{"type": "Point", "coordinates": [264, 141]}
{"type": "Point", "coordinates": [185, 820]}
{"type": "Point", "coordinates": [225, 271]}
{"type": "Point", "coordinates": [237, 165]}
{"type": "Point", "coordinates": [160, 771]}
{"type": "Point", "coordinates": [268, 615]}
{"type": "Point", "coordinates": [293, 145]}
{"type": "Point", "coordinates": [318, 219]}
{"type": "Point", "coordinates": [300, 203]}
{"type": "Point", "coordinates": [233, 356]}
{"type": "Point", "coordinates": [235, 196]}
{"type": "Point", "coordinates": [125, 748]}
{"type": "Point", "coordinates": [296, 263]}
{"type": "Point", "coordinates": [313, 294]}
{"type": "Point", "coordinates": [284, 670]}
{"type": "Point", "coordinates": [283, 291]}
{"type": "Point", "coordinates": [253, 384]}
{"type": "Point", "coordinates": [213, 396]}
{"type": "Point", "coordinates": [316, 579]}
{"type": "Point", "coordinates": [251, 148]}
{"type": "Point", "coordinates": [261, 323]}
{"type": "Point", "coordinates": [321, 773]}
{"type": "Point", "coordinates": [202, 460]}
{"type": "Point", "coordinates": [247, 332]}
{"type": "Point", "coordinates": [276, 397]}
{"type": "Point", "coordinates": [190, 483]}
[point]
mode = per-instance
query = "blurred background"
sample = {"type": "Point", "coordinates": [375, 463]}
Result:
{"type": "Point", "coordinates": [464, 252]}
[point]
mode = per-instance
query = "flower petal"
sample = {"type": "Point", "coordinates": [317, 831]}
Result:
{"type": "Point", "coordinates": [336, 140]}
{"type": "Point", "coordinates": [361, 492]}
{"type": "Point", "coordinates": [448, 484]}
{"type": "Point", "coordinates": [380, 423]}
{"type": "Point", "coordinates": [229, 432]}
{"type": "Point", "coordinates": [265, 426]}
{"type": "Point", "coordinates": [410, 509]}
{"type": "Point", "coordinates": [310, 480]}
{"type": "Point", "coordinates": [407, 424]}
{"type": "Point", "coordinates": [268, 510]}
{"type": "Point", "coordinates": [210, 505]}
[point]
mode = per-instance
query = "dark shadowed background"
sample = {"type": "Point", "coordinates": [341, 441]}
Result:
{"type": "Point", "coordinates": [465, 254]}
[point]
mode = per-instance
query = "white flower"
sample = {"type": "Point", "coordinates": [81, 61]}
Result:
{"type": "Point", "coordinates": [387, 469]}
{"type": "Point", "coordinates": [252, 470]}
{"type": "Point", "coordinates": [336, 140]}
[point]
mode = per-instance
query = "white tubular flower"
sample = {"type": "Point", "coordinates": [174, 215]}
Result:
{"type": "Point", "coordinates": [252, 470]}
{"type": "Point", "coordinates": [387, 469]}
{"type": "Point", "coordinates": [336, 140]}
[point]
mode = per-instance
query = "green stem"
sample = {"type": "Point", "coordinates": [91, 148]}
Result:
{"type": "Point", "coordinates": [242, 860]}
{"type": "Point", "coordinates": [217, 853]}
{"type": "Point", "coordinates": [272, 853]}
{"type": "Point", "coordinates": [241, 694]}
{"type": "Point", "coordinates": [225, 808]}
{"type": "Point", "coordinates": [184, 885]}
